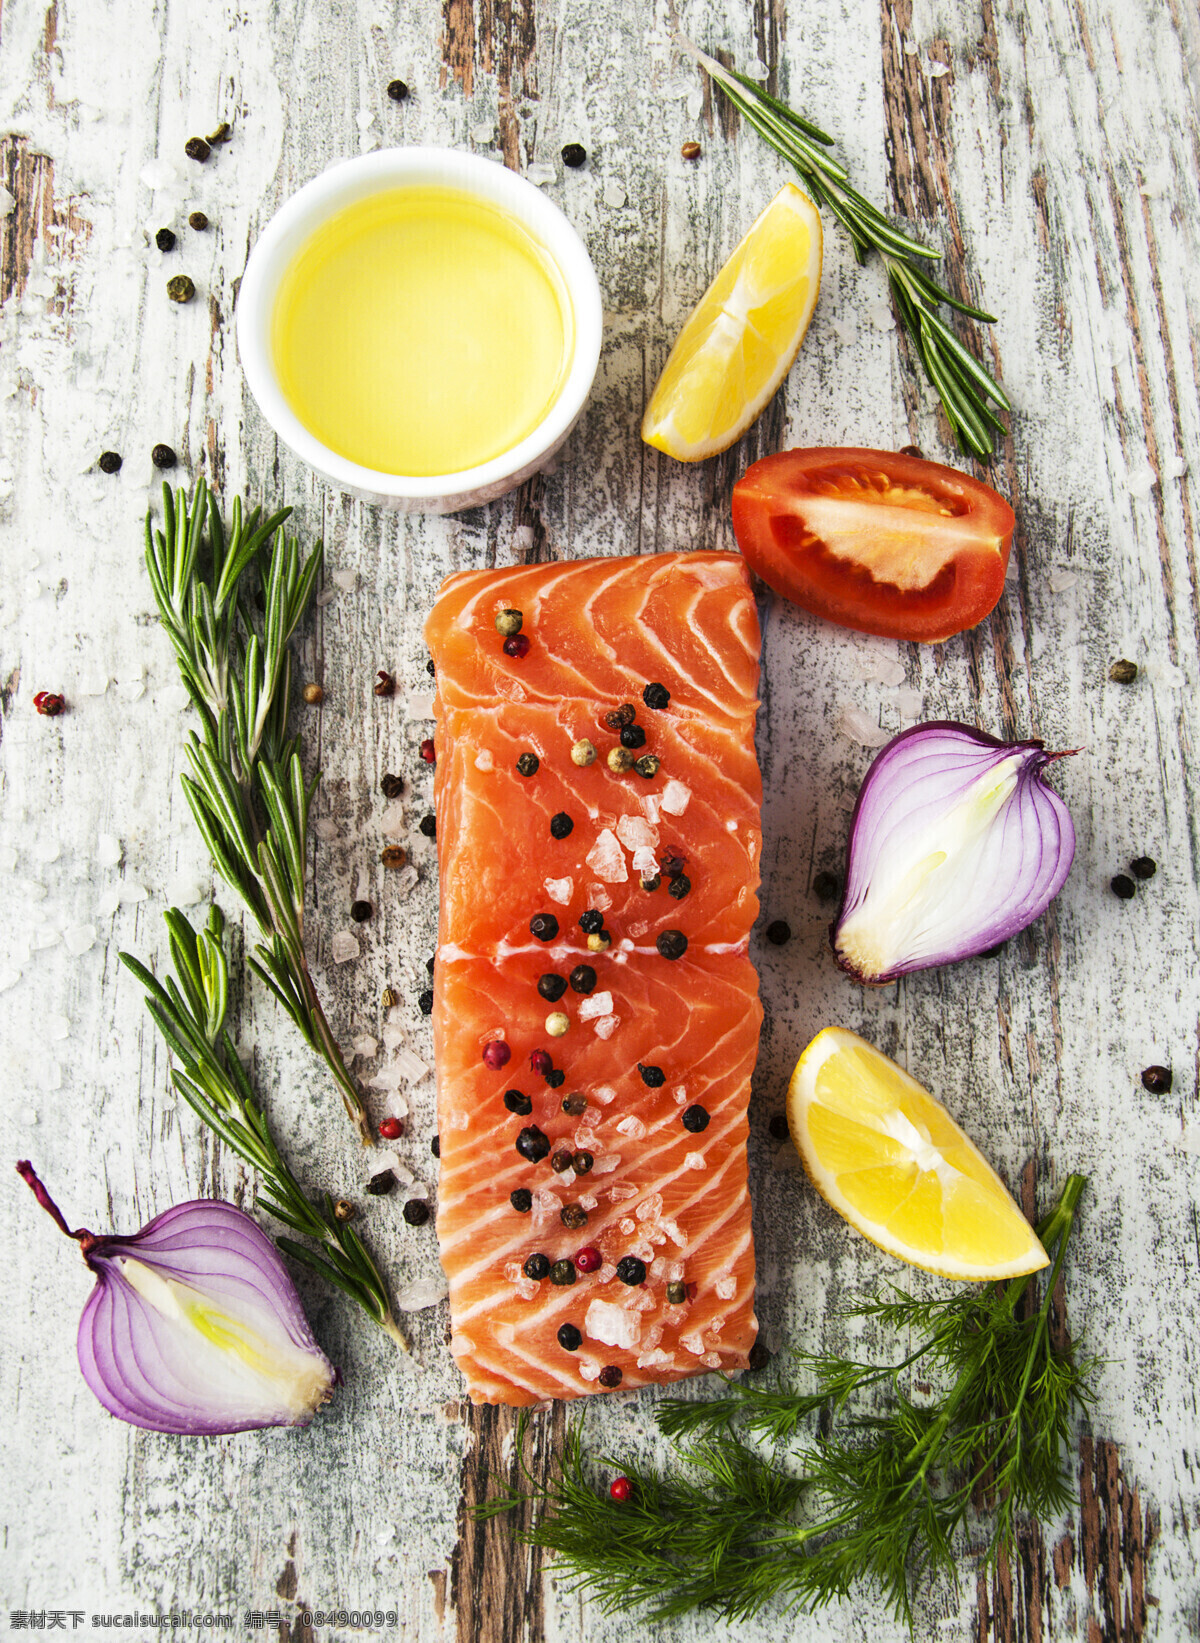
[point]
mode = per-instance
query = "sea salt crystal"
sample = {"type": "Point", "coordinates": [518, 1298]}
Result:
{"type": "Point", "coordinates": [650, 1207]}
{"type": "Point", "coordinates": [326, 828]}
{"type": "Point", "coordinates": [694, 1160]}
{"type": "Point", "coordinates": [418, 704]}
{"type": "Point", "coordinates": [483, 133]}
{"type": "Point", "coordinates": [525, 1288]}
{"type": "Point", "coordinates": [47, 849]}
{"type": "Point", "coordinates": [614, 194]}
{"type": "Point", "coordinates": [79, 939]}
{"type": "Point", "coordinates": [345, 579]}
{"type": "Point", "coordinates": [32, 890]}
{"type": "Point", "coordinates": [423, 1292]}
{"type": "Point", "coordinates": [132, 892]}
{"type": "Point", "coordinates": [159, 174]}
{"type": "Point", "coordinates": [596, 1003]}
{"type": "Point", "coordinates": [607, 1164]}
{"type": "Point", "coordinates": [658, 1267]}
{"type": "Point", "coordinates": [397, 1106]}
{"type": "Point", "coordinates": [618, 1194]}
{"type": "Point", "coordinates": [47, 936]}
{"type": "Point", "coordinates": [484, 760]}
{"type": "Point", "coordinates": [132, 690]}
{"type": "Point", "coordinates": [539, 173]}
{"type": "Point", "coordinates": [9, 976]}
{"type": "Point", "coordinates": [627, 1225]}
{"type": "Point", "coordinates": [419, 1189]}
{"type": "Point", "coordinates": [652, 806]}
{"type": "Point", "coordinates": [693, 1344]}
{"type": "Point", "coordinates": [644, 860]}
{"type": "Point", "coordinates": [680, 1094]}
{"type": "Point", "coordinates": [402, 884]}
{"type": "Point", "coordinates": [365, 1046]}
{"type": "Point", "coordinates": [51, 1078]}
{"type": "Point", "coordinates": [881, 316]}
{"type": "Point", "coordinates": [174, 699]}
{"type": "Point", "coordinates": [675, 798]}
{"type": "Point", "coordinates": [407, 1068]}
{"type": "Point", "coordinates": [512, 1271]}
{"type": "Point", "coordinates": [604, 1093]}
{"type": "Point", "coordinates": [559, 890]}
{"type": "Point", "coordinates": [726, 1286]}
{"type": "Point", "coordinates": [674, 1271]}
{"type": "Point", "coordinates": [632, 1126]}
{"type": "Point", "coordinates": [8, 203]}
{"type": "Point", "coordinates": [612, 1325]}
{"type": "Point", "coordinates": [92, 684]}
{"type": "Point", "coordinates": [694, 103]}
{"type": "Point", "coordinates": [636, 833]}
{"type": "Point", "coordinates": [344, 947]}
{"type": "Point", "coordinates": [657, 1359]}
{"type": "Point", "coordinates": [545, 1202]}
{"type": "Point", "coordinates": [325, 597]}
{"type": "Point", "coordinates": [936, 70]}
{"type": "Point", "coordinates": [607, 860]}
{"type": "Point", "coordinates": [885, 670]}
{"type": "Point", "coordinates": [607, 1025]}
{"type": "Point", "coordinates": [909, 703]}
{"type": "Point", "coordinates": [55, 1027]}
{"type": "Point", "coordinates": [392, 824]}
{"type": "Point", "coordinates": [589, 1369]}
{"type": "Point", "coordinates": [859, 727]}
{"type": "Point", "coordinates": [185, 890]}
{"type": "Point", "coordinates": [365, 119]}
{"type": "Point", "coordinates": [108, 850]}
{"type": "Point", "coordinates": [393, 1036]}
{"type": "Point", "coordinates": [711, 1360]}
{"type": "Point", "coordinates": [1061, 580]}
{"type": "Point", "coordinates": [598, 897]}
{"type": "Point", "coordinates": [844, 330]}
{"type": "Point", "coordinates": [107, 902]}
{"type": "Point", "coordinates": [641, 1300]}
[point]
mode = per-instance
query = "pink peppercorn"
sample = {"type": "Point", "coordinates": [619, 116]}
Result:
{"type": "Point", "coordinates": [391, 1129]}
{"type": "Point", "coordinates": [517, 646]}
{"type": "Point", "coordinates": [589, 1259]}
{"type": "Point", "coordinates": [427, 751]}
{"type": "Point", "coordinates": [496, 1054]}
{"type": "Point", "coordinates": [620, 1489]}
{"type": "Point", "coordinates": [540, 1062]}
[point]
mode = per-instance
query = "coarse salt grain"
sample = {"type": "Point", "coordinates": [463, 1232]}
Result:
{"type": "Point", "coordinates": [607, 860]}
{"type": "Point", "coordinates": [606, 1165]}
{"type": "Point", "coordinates": [651, 805]}
{"type": "Point", "coordinates": [632, 1126]}
{"type": "Point", "coordinates": [418, 704]}
{"type": "Point", "coordinates": [539, 174]}
{"type": "Point", "coordinates": [365, 1046]}
{"type": "Point", "coordinates": [108, 850]}
{"type": "Point", "coordinates": [693, 1344]}
{"type": "Point", "coordinates": [612, 1325]}
{"type": "Point", "coordinates": [680, 1094]}
{"type": "Point", "coordinates": [645, 861]}
{"type": "Point", "coordinates": [636, 833]}
{"type": "Point", "coordinates": [675, 798]}
{"type": "Point", "coordinates": [132, 893]}
{"type": "Point", "coordinates": [344, 947]}
{"type": "Point", "coordinates": [393, 1036]}
{"type": "Point", "coordinates": [392, 824]}
{"type": "Point", "coordinates": [107, 902]}
{"type": "Point", "coordinates": [594, 1005]}
{"type": "Point", "coordinates": [484, 760]}
{"type": "Point", "coordinates": [859, 727]}
{"type": "Point", "coordinates": [599, 898]}
{"type": "Point", "coordinates": [726, 1286]}
{"type": "Point", "coordinates": [658, 1359]}
{"type": "Point", "coordinates": [423, 1292]}
{"type": "Point", "coordinates": [589, 1369]}
{"type": "Point", "coordinates": [711, 1360]}
{"type": "Point", "coordinates": [694, 1160]}
{"type": "Point", "coordinates": [559, 890]}
{"type": "Point", "coordinates": [79, 939]}
{"type": "Point", "coordinates": [678, 1238]}
{"type": "Point", "coordinates": [604, 1093]}
{"type": "Point", "coordinates": [614, 194]}
{"type": "Point", "coordinates": [650, 1207]}
{"type": "Point", "coordinates": [627, 1225]}
{"type": "Point", "coordinates": [588, 1201]}
{"type": "Point", "coordinates": [674, 1271]}
{"type": "Point", "coordinates": [607, 1025]}
{"type": "Point", "coordinates": [618, 1194]}
{"type": "Point", "coordinates": [326, 828]}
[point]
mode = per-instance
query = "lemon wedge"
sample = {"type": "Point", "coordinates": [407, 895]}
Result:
{"type": "Point", "coordinates": [742, 336]}
{"type": "Point", "coordinates": [890, 1158]}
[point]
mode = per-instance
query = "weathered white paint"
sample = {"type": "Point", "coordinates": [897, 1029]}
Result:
{"type": "Point", "coordinates": [1072, 161]}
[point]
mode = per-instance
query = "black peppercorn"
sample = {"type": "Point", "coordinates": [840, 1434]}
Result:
{"type": "Point", "coordinates": [574, 155]}
{"type": "Point", "coordinates": [581, 1162]}
{"type": "Point", "coordinates": [360, 911]}
{"type": "Point", "coordinates": [429, 962]}
{"type": "Point", "coordinates": [591, 922]}
{"type": "Point", "coordinates": [561, 825]}
{"type": "Point", "coordinates": [826, 886]}
{"type": "Point", "coordinates": [676, 1294]}
{"type": "Point", "coordinates": [380, 1185]}
{"type": "Point", "coordinates": [428, 826]}
{"type": "Point", "coordinates": [109, 462]}
{"type": "Point", "coordinates": [778, 932]}
{"type": "Point", "coordinates": [556, 1078]}
{"type": "Point", "coordinates": [521, 1200]}
{"type": "Point", "coordinates": [515, 1101]}
{"type": "Point", "coordinates": [647, 765]}
{"type": "Point", "coordinates": [527, 764]}
{"type": "Point", "coordinates": [672, 944]}
{"type": "Point", "coordinates": [537, 1266]}
{"type": "Point", "coordinates": [759, 1356]}
{"type": "Point", "coordinates": [679, 886]}
{"type": "Point", "coordinates": [397, 90]}
{"type": "Point", "coordinates": [181, 288]}
{"type": "Point", "coordinates": [1143, 867]}
{"type": "Point", "coordinates": [431, 668]}
{"type": "Point", "coordinates": [631, 1271]}
{"type": "Point", "coordinates": [198, 221]}
{"type": "Point", "coordinates": [1157, 1080]}
{"type": "Point", "coordinates": [1123, 886]}
{"type": "Point", "coordinates": [425, 1003]}
{"type": "Point", "coordinates": [532, 1144]}
{"type": "Point", "coordinates": [574, 1104]}
{"type": "Point", "coordinates": [562, 1273]}
{"type": "Point", "coordinates": [197, 149]}
{"type": "Point", "coordinates": [653, 1077]}
{"type": "Point", "coordinates": [1123, 673]}
{"type": "Point", "coordinates": [391, 786]}
{"type": "Point", "coordinates": [165, 239]}
{"type": "Point", "coordinates": [618, 717]}
{"type": "Point", "coordinates": [163, 456]}
{"type": "Point", "coordinates": [416, 1212]}
{"type": "Point", "coordinates": [551, 986]}
{"type": "Point", "coordinates": [435, 1146]}
{"type": "Point", "coordinates": [656, 696]}
{"type": "Point", "coordinates": [544, 926]}
{"type": "Point", "coordinates": [652, 883]}
{"type": "Point", "coordinates": [569, 1338]}
{"type": "Point", "coordinates": [633, 736]}
{"type": "Point", "coordinates": [583, 979]}
{"type": "Point", "coordinates": [561, 1161]}
{"type": "Point", "coordinates": [778, 1127]}
{"type": "Point", "coordinates": [695, 1119]}
{"type": "Point", "coordinates": [573, 1216]}
{"type": "Point", "coordinates": [673, 865]}
{"type": "Point", "coordinates": [610, 1376]}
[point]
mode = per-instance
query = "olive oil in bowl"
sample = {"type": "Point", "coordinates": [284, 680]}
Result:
{"type": "Point", "coordinates": [421, 331]}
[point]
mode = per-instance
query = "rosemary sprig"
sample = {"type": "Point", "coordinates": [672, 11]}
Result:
{"type": "Point", "coordinates": [887, 1492]}
{"type": "Point", "coordinates": [246, 786]}
{"type": "Point", "coordinates": [962, 383]}
{"type": "Point", "coordinates": [189, 1011]}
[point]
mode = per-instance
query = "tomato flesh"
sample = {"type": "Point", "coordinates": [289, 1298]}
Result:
{"type": "Point", "coordinates": [875, 541]}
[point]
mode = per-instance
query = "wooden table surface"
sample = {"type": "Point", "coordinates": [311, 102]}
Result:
{"type": "Point", "coordinates": [1050, 148]}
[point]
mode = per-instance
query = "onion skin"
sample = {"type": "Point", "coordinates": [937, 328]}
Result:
{"type": "Point", "coordinates": [956, 843]}
{"type": "Point", "coordinates": [194, 1326]}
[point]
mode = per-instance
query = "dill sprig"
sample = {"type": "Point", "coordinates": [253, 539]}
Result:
{"type": "Point", "coordinates": [886, 1488]}
{"type": "Point", "coordinates": [246, 786]}
{"type": "Point", "coordinates": [189, 1010]}
{"type": "Point", "coordinates": [963, 385]}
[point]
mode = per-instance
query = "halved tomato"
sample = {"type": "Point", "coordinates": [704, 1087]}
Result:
{"type": "Point", "coordinates": [876, 541]}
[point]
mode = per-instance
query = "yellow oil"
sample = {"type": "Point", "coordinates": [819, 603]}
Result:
{"type": "Point", "coordinates": [420, 331]}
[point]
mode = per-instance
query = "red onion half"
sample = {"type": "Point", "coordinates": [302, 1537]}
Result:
{"type": "Point", "coordinates": [194, 1325]}
{"type": "Point", "coordinates": [956, 843]}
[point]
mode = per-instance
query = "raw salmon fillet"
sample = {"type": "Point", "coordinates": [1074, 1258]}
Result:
{"type": "Point", "coordinates": [650, 1081]}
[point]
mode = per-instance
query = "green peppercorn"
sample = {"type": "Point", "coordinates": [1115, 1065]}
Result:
{"type": "Point", "coordinates": [676, 1294]}
{"type": "Point", "coordinates": [562, 1273]}
{"type": "Point", "coordinates": [647, 765]}
{"type": "Point", "coordinates": [573, 1216]}
{"type": "Point", "coordinates": [527, 764]}
{"type": "Point", "coordinates": [180, 288]}
{"type": "Point", "coordinates": [509, 622]}
{"type": "Point", "coordinates": [197, 149]}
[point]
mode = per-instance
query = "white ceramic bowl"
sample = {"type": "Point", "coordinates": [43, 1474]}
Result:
{"type": "Point", "coordinates": [352, 180]}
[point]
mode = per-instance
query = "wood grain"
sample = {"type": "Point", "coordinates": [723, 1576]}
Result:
{"type": "Point", "coordinates": [1050, 149]}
